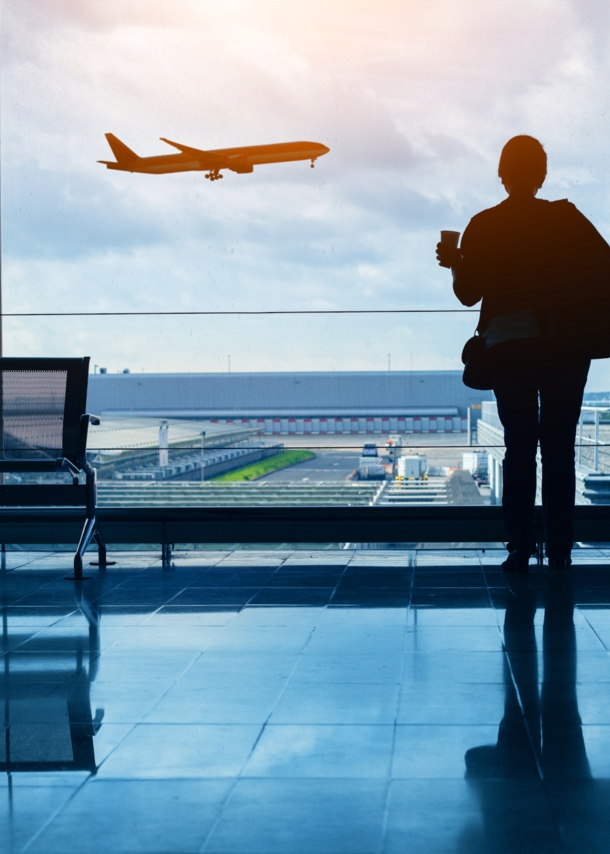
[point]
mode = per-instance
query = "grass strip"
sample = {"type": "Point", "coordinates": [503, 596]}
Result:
{"type": "Point", "coordinates": [260, 469]}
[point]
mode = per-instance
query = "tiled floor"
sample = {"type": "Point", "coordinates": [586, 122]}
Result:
{"type": "Point", "coordinates": [310, 702]}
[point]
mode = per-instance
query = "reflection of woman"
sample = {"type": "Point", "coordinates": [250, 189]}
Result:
{"type": "Point", "coordinates": [540, 733]}
{"type": "Point", "coordinates": [517, 258]}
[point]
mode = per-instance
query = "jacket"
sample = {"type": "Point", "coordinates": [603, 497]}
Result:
{"type": "Point", "coordinates": [546, 257]}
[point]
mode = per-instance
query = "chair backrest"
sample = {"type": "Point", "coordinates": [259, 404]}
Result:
{"type": "Point", "coordinates": [41, 402]}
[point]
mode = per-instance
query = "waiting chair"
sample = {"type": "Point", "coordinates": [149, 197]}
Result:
{"type": "Point", "coordinates": [43, 428]}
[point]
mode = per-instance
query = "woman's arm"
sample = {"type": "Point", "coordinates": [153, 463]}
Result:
{"type": "Point", "coordinates": [468, 281]}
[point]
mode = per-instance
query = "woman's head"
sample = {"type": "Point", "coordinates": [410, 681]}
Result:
{"type": "Point", "coordinates": [522, 164]}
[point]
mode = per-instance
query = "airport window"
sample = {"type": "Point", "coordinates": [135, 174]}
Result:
{"type": "Point", "coordinates": [279, 337]}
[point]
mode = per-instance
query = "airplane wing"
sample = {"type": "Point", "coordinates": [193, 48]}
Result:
{"type": "Point", "coordinates": [196, 152]}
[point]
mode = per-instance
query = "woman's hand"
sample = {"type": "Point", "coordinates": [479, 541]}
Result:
{"type": "Point", "coordinates": [447, 256]}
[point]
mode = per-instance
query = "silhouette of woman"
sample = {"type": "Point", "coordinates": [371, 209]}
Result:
{"type": "Point", "coordinates": [523, 258]}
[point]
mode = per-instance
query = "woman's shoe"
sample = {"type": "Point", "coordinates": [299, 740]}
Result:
{"type": "Point", "coordinates": [517, 562]}
{"type": "Point", "coordinates": [559, 562]}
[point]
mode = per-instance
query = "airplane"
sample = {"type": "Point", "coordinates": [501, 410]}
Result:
{"type": "Point", "coordinates": [240, 160]}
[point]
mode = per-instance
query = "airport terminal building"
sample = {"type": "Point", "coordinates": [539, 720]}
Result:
{"type": "Point", "coordinates": [299, 403]}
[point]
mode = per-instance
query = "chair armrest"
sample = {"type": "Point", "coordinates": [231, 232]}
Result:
{"type": "Point", "coordinates": [83, 430]}
{"type": "Point", "coordinates": [63, 463]}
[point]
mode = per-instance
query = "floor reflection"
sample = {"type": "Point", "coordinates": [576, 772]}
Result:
{"type": "Point", "coordinates": [288, 703]}
{"type": "Point", "coordinates": [47, 716]}
{"type": "Point", "coordinates": [541, 716]}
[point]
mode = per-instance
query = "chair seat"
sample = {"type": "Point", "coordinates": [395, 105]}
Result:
{"type": "Point", "coordinates": [29, 465]}
{"type": "Point", "coordinates": [43, 495]}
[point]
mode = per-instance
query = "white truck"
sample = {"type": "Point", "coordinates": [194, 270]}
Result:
{"type": "Point", "coordinates": [412, 467]}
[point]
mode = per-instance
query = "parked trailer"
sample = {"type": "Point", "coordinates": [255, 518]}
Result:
{"type": "Point", "coordinates": [370, 466]}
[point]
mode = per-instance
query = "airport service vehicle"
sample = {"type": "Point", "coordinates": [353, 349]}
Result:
{"type": "Point", "coordinates": [476, 463]}
{"type": "Point", "coordinates": [370, 466]}
{"type": "Point", "coordinates": [370, 450]}
{"type": "Point", "coordinates": [241, 160]}
{"type": "Point", "coordinates": [393, 446]}
{"type": "Point", "coordinates": [412, 467]}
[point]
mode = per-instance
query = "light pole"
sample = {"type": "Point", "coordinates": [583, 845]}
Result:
{"type": "Point", "coordinates": [163, 445]}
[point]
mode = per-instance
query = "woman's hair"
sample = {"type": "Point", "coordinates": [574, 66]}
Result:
{"type": "Point", "coordinates": [523, 159]}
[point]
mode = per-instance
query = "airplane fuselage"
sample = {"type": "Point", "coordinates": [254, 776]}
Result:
{"type": "Point", "coordinates": [241, 159]}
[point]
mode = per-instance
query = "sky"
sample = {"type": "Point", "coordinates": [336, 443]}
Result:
{"type": "Point", "coordinates": [415, 101]}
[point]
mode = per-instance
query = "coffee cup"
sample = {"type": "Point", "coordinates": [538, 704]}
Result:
{"type": "Point", "coordinates": [450, 239]}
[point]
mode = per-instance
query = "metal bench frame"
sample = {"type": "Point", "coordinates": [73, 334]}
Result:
{"type": "Point", "coordinates": [73, 457]}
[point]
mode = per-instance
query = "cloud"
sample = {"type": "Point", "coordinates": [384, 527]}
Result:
{"type": "Point", "coordinates": [414, 100]}
{"type": "Point", "coordinates": [49, 213]}
{"type": "Point", "coordinates": [95, 15]}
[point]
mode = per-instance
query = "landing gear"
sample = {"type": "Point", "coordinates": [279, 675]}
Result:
{"type": "Point", "coordinates": [213, 175]}
{"type": "Point", "coordinates": [312, 164]}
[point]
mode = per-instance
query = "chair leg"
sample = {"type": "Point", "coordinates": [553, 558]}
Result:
{"type": "Point", "coordinates": [102, 559]}
{"type": "Point", "coordinates": [85, 538]}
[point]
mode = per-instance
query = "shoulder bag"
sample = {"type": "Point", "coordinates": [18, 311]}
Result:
{"type": "Point", "coordinates": [476, 370]}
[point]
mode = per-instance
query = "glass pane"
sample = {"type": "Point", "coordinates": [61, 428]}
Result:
{"type": "Point", "coordinates": [283, 337]}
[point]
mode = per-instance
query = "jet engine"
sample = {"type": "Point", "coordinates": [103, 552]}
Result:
{"type": "Point", "coordinates": [240, 164]}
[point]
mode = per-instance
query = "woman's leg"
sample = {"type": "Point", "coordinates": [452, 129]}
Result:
{"type": "Point", "coordinates": [561, 392]}
{"type": "Point", "coordinates": [518, 411]}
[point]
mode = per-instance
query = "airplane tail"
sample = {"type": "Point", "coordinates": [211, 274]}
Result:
{"type": "Point", "coordinates": [122, 153]}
